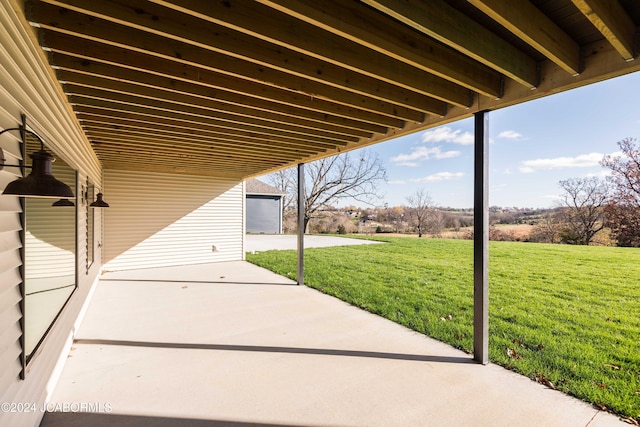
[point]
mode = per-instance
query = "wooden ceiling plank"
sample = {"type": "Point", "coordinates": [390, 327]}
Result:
{"type": "Point", "coordinates": [218, 120]}
{"type": "Point", "coordinates": [195, 143]}
{"type": "Point", "coordinates": [206, 78]}
{"type": "Point", "coordinates": [308, 109]}
{"type": "Point", "coordinates": [100, 107]}
{"type": "Point", "coordinates": [213, 173]}
{"type": "Point", "coordinates": [143, 148]}
{"type": "Point", "coordinates": [258, 118]}
{"type": "Point", "coordinates": [613, 22]}
{"type": "Point", "coordinates": [104, 145]}
{"type": "Point", "coordinates": [531, 25]}
{"type": "Point", "coordinates": [167, 159]}
{"type": "Point", "coordinates": [91, 121]}
{"type": "Point", "coordinates": [102, 133]}
{"type": "Point", "coordinates": [437, 19]}
{"type": "Point", "coordinates": [365, 26]}
{"type": "Point", "coordinates": [87, 85]}
{"type": "Point", "coordinates": [306, 75]}
{"type": "Point", "coordinates": [90, 52]}
{"type": "Point", "coordinates": [232, 103]}
{"type": "Point", "coordinates": [223, 135]}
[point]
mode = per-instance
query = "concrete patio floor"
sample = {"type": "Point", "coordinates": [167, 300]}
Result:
{"type": "Point", "coordinates": [231, 344]}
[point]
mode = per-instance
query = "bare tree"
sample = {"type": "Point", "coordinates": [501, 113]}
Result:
{"type": "Point", "coordinates": [436, 222]}
{"type": "Point", "coordinates": [548, 229]}
{"type": "Point", "coordinates": [584, 200]}
{"type": "Point", "coordinates": [625, 171]}
{"type": "Point", "coordinates": [623, 212]}
{"type": "Point", "coordinates": [353, 176]}
{"type": "Point", "coordinates": [419, 204]}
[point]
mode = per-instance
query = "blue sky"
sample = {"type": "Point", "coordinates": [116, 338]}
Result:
{"type": "Point", "coordinates": [532, 147]}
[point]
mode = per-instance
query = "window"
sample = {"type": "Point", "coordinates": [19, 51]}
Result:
{"type": "Point", "coordinates": [49, 258]}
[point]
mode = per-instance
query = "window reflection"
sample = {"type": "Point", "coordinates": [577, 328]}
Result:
{"type": "Point", "coordinates": [50, 257]}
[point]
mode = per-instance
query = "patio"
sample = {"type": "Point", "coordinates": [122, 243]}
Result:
{"type": "Point", "coordinates": [233, 344]}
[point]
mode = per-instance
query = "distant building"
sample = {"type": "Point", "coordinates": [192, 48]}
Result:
{"type": "Point", "coordinates": [264, 208]}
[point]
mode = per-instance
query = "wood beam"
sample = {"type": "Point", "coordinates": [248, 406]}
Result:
{"type": "Point", "coordinates": [126, 136]}
{"type": "Point", "coordinates": [89, 121]}
{"type": "Point", "coordinates": [437, 19]}
{"type": "Point", "coordinates": [614, 24]}
{"type": "Point", "coordinates": [309, 109]}
{"type": "Point", "coordinates": [90, 52]}
{"type": "Point", "coordinates": [227, 173]}
{"type": "Point", "coordinates": [275, 28]}
{"type": "Point", "coordinates": [371, 29]}
{"type": "Point", "coordinates": [298, 36]}
{"type": "Point", "coordinates": [531, 25]}
{"type": "Point", "coordinates": [137, 83]}
{"type": "Point", "coordinates": [158, 159]}
{"type": "Point", "coordinates": [213, 112]}
{"type": "Point", "coordinates": [247, 57]}
{"type": "Point", "coordinates": [151, 150]}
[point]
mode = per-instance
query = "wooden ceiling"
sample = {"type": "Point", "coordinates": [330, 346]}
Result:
{"type": "Point", "coordinates": [237, 88]}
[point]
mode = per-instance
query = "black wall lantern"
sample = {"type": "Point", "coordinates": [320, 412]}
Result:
{"type": "Point", "coordinates": [99, 203]}
{"type": "Point", "coordinates": [40, 182]}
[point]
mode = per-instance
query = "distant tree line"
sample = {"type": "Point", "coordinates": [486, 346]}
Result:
{"type": "Point", "coordinates": [591, 210]}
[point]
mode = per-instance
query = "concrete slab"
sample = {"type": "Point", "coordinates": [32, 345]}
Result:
{"type": "Point", "coordinates": [265, 242]}
{"type": "Point", "coordinates": [163, 347]}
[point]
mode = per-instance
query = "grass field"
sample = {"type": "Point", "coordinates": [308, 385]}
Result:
{"type": "Point", "coordinates": [567, 316]}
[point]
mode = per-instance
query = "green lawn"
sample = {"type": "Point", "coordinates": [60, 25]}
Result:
{"type": "Point", "coordinates": [568, 316]}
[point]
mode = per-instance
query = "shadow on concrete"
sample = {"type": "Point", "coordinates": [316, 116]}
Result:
{"type": "Point", "coordinates": [72, 419]}
{"type": "Point", "coordinates": [213, 282]}
{"type": "Point", "coordinates": [270, 349]}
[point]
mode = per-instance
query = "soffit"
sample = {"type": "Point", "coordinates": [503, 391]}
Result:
{"type": "Point", "coordinates": [240, 88]}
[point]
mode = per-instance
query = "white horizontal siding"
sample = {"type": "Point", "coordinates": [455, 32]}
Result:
{"type": "Point", "coordinates": [28, 85]}
{"type": "Point", "coordinates": [163, 219]}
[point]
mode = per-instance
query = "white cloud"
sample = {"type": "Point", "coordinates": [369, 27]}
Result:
{"type": "Point", "coordinates": [601, 174]}
{"type": "Point", "coordinates": [440, 176]}
{"type": "Point", "coordinates": [510, 134]}
{"type": "Point", "coordinates": [396, 182]}
{"type": "Point", "coordinates": [423, 153]}
{"type": "Point", "coordinates": [581, 161]}
{"type": "Point", "coordinates": [446, 134]}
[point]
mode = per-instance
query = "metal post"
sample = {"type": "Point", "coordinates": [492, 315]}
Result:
{"type": "Point", "coordinates": [301, 224]}
{"type": "Point", "coordinates": [481, 239]}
